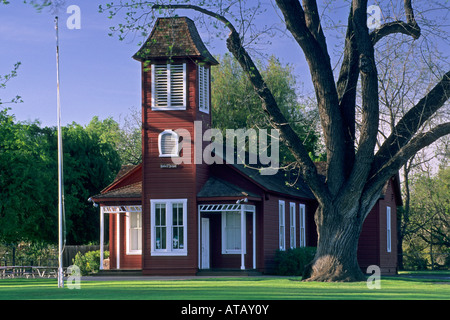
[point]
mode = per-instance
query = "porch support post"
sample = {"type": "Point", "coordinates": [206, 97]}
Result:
{"type": "Point", "coordinates": [242, 237]}
{"type": "Point", "coordinates": [199, 239]}
{"type": "Point", "coordinates": [254, 239]}
{"type": "Point", "coordinates": [118, 241]}
{"type": "Point", "coordinates": [102, 236]}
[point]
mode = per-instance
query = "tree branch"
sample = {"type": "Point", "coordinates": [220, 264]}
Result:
{"type": "Point", "coordinates": [393, 165]}
{"type": "Point", "coordinates": [269, 104]}
{"type": "Point", "coordinates": [410, 28]}
{"type": "Point", "coordinates": [407, 127]}
{"type": "Point", "coordinates": [346, 87]}
{"type": "Point", "coordinates": [324, 85]}
{"type": "Point", "coordinates": [370, 107]}
{"type": "Point", "coordinates": [313, 22]}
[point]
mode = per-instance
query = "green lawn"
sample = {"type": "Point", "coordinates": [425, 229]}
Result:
{"type": "Point", "coordinates": [251, 288]}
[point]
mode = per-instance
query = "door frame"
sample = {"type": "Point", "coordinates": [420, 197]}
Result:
{"type": "Point", "coordinates": [205, 245]}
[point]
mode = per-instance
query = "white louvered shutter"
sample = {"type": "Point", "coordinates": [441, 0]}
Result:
{"type": "Point", "coordinates": [203, 88]}
{"type": "Point", "coordinates": [169, 86]}
{"type": "Point", "coordinates": [177, 85]}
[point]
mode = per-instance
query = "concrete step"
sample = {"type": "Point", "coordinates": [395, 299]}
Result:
{"type": "Point", "coordinates": [120, 272]}
{"type": "Point", "coordinates": [228, 272]}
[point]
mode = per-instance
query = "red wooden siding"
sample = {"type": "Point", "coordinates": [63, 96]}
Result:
{"type": "Point", "coordinates": [368, 245]}
{"type": "Point", "coordinates": [126, 261]}
{"type": "Point", "coordinates": [182, 182]}
{"type": "Point", "coordinates": [388, 260]}
{"type": "Point", "coordinates": [372, 246]}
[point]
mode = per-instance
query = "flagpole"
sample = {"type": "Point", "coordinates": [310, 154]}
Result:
{"type": "Point", "coordinates": [60, 168]}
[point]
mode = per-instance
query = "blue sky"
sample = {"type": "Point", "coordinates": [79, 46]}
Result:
{"type": "Point", "coordinates": [98, 75]}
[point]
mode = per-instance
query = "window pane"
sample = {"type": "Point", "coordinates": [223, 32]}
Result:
{"type": "Point", "coordinates": [233, 230]}
{"type": "Point", "coordinates": [160, 238]}
{"type": "Point", "coordinates": [135, 231]}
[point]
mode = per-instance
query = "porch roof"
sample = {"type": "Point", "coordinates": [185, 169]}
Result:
{"type": "Point", "coordinates": [216, 187]}
{"type": "Point", "coordinates": [129, 191]}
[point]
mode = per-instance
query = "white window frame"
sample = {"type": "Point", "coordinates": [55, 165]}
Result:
{"type": "Point", "coordinates": [292, 225]}
{"type": "Point", "coordinates": [175, 151]}
{"type": "Point", "coordinates": [225, 233]}
{"type": "Point", "coordinates": [128, 233]}
{"type": "Point", "coordinates": [169, 250]}
{"type": "Point", "coordinates": [281, 225]}
{"type": "Point", "coordinates": [168, 106]}
{"type": "Point", "coordinates": [302, 214]}
{"type": "Point", "coordinates": [203, 88]}
{"type": "Point", "coordinates": [388, 230]}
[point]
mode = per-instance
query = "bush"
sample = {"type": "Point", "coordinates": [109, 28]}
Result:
{"type": "Point", "coordinates": [292, 262]}
{"type": "Point", "coordinates": [89, 262]}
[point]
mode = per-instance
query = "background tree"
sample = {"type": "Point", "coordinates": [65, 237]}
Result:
{"type": "Point", "coordinates": [26, 185]}
{"type": "Point", "coordinates": [28, 171]}
{"type": "Point", "coordinates": [357, 169]}
{"type": "Point", "coordinates": [89, 165]}
{"type": "Point", "coordinates": [125, 137]}
{"type": "Point", "coordinates": [427, 238]}
{"type": "Point", "coordinates": [235, 104]}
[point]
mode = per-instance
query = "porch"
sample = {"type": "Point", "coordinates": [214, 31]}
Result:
{"type": "Point", "coordinates": [226, 237]}
{"type": "Point", "coordinates": [125, 236]}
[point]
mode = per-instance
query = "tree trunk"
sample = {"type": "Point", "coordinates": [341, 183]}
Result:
{"type": "Point", "coordinates": [336, 256]}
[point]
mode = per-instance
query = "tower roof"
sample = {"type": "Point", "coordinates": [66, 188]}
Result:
{"type": "Point", "coordinates": [174, 38]}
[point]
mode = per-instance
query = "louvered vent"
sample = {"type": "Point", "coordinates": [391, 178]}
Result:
{"type": "Point", "coordinates": [168, 143]}
{"type": "Point", "coordinates": [169, 87]}
{"type": "Point", "coordinates": [203, 88]}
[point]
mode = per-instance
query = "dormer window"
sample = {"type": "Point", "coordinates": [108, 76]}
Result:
{"type": "Point", "coordinates": [169, 86]}
{"type": "Point", "coordinates": [203, 88]}
{"type": "Point", "coordinates": [168, 144]}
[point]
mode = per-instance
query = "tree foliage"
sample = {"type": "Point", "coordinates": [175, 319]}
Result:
{"type": "Point", "coordinates": [428, 233]}
{"type": "Point", "coordinates": [28, 180]}
{"type": "Point", "coordinates": [235, 104]}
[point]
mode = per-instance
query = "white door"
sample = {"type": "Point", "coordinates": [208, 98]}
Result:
{"type": "Point", "coordinates": [205, 243]}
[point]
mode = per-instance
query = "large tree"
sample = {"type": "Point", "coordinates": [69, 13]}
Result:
{"type": "Point", "coordinates": [356, 169]}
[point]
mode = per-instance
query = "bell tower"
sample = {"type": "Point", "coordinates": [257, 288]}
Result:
{"type": "Point", "coordinates": [176, 77]}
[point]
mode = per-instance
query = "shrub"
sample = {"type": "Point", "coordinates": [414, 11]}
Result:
{"type": "Point", "coordinates": [89, 262]}
{"type": "Point", "coordinates": [292, 262]}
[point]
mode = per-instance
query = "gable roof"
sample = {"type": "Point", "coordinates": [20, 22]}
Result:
{"type": "Point", "coordinates": [174, 38]}
{"type": "Point", "coordinates": [282, 182]}
{"type": "Point", "coordinates": [126, 185]}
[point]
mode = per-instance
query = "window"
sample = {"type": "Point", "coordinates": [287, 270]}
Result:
{"type": "Point", "coordinates": [134, 233]}
{"type": "Point", "coordinates": [169, 86]}
{"type": "Point", "coordinates": [302, 226]}
{"type": "Point", "coordinates": [203, 88]}
{"type": "Point", "coordinates": [231, 232]}
{"type": "Point", "coordinates": [292, 231]}
{"type": "Point", "coordinates": [168, 144]}
{"type": "Point", "coordinates": [281, 230]}
{"type": "Point", "coordinates": [168, 227]}
{"type": "Point", "coordinates": [388, 228]}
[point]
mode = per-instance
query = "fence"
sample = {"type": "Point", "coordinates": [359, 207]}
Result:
{"type": "Point", "coordinates": [47, 257]}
